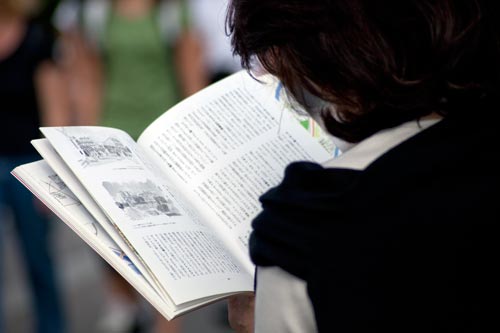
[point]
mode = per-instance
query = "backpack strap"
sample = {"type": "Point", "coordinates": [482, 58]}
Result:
{"type": "Point", "coordinates": [94, 16]}
{"type": "Point", "coordinates": [173, 19]}
{"type": "Point", "coordinates": [90, 16]}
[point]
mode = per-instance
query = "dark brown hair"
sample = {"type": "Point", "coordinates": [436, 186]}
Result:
{"type": "Point", "coordinates": [381, 62]}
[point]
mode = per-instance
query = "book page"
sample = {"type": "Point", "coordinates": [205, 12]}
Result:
{"type": "Point", "coordinates": [50, 156]}
{"type": "Point", "coordinates": [227, 145]}
{"type": "Point", "coordinates": [187, 258]}
{"type": "Point", "coordinates": [44, 183]}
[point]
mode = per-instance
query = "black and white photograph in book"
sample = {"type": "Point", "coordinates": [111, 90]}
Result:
{"type": "Point", "coordinates": [140, 200]}
{"type": "Point", "coordinates": [97, 150]}
{"type": "Point", "coordinates": [109, 150]}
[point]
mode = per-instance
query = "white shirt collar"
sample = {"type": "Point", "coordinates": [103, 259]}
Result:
{"type": "Point", "coordinates": [359, 156]}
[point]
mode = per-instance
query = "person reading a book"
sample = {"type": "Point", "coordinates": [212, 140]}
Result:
{"type": "Point", "coordinates": [396, 234]}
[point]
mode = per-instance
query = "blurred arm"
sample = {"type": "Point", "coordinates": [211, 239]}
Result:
{"type": "Point", "coordinates": [83, 71]}
{"type": "Point", "coordinates": [191, 69]}
{"type": "Point", "coordinates": [70, 91]}
{"type": "Point", "coordinates": [52, 95]}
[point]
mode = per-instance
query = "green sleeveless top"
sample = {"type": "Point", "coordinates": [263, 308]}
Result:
{"type": "Point", "coordinates": [140, 79]}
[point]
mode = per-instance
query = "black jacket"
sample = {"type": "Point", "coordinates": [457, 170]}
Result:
{"type": "Point", "coordinates": [409, 244]}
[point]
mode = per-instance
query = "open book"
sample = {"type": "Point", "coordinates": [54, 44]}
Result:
{"type": "Point", "coordinates": [172, 211]}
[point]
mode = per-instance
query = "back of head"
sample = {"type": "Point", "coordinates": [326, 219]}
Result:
{"type": "Point", "coordinates": [380, 63]}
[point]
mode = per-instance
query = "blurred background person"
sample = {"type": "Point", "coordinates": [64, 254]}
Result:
{"type": "Point", "coordinates": [32, 94]}
{"type": "Point", "coordinates": [208, 19]}
{"type": "Point", "coordinates": [127, 62]}
{"type": "Point", "coordinates": [145, 51]}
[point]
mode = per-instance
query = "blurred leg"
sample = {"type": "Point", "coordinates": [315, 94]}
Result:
{"type": "Point", "coordinates": [33, 232]}
{"type": "Point", "coordinates": [4, 174]}
{"type": "Point", "coordinates": [121, 306]}
{"type": "Point", "coordinates": [126, 310]}
{"type": "Point", "coordinates": [164, 326]}
{"type": "Point", "coordinates": [1, 263]}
